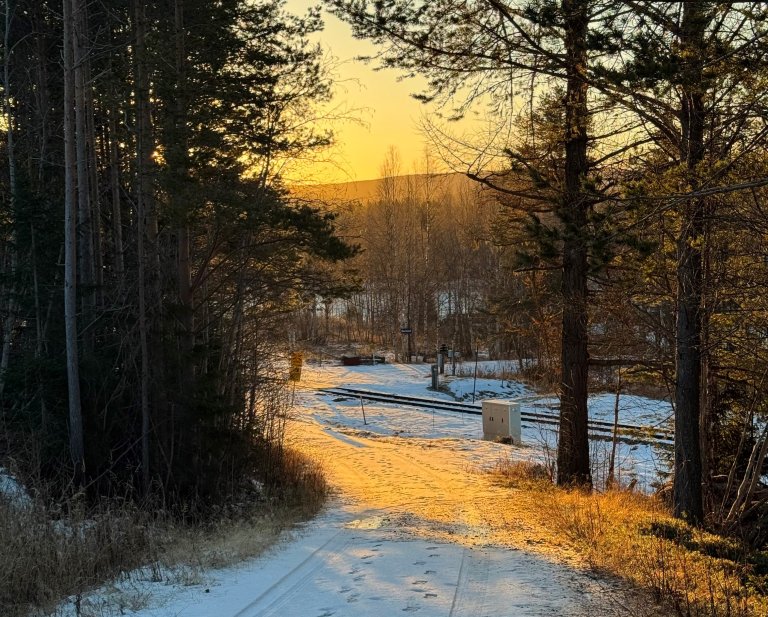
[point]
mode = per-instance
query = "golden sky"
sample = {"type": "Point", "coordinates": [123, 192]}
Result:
{"type": "Point", "coordinates": [386, 113]}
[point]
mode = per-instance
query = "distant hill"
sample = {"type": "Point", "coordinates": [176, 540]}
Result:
{"type": "Point", "coordinates": [365, 191]}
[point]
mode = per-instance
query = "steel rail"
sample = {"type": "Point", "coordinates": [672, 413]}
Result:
{"type": "Point", "coordinates": [630, 433]}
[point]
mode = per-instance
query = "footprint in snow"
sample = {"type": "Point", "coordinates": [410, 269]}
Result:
{"type": "Point", "coordinates": [419, 563]}
{"type": "Point", "coordinates": [411, 609]}
{"type": "Point", "coordinates": [431, 572]}
{"type": "Point", "coordinates": [419, 582]}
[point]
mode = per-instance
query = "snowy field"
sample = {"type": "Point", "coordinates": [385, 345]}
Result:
{"type": "Point", "coordinates": [643, 464]}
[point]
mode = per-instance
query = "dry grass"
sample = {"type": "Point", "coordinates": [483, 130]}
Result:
{"type": "Point", "coordinates": [521, 474]}
{"type": "Point", "coordinates": [538, 378]}
{"type": "Point", "coordinates": [44, 556]}
{"type": "Point", "coordinates": [49, 553]}
{"type": "Point", "coordinates": [503, 371]}
{"type": "Point", "coordinates": [229, 539]}
{"type": "Point", "coordinates": [630, 535]}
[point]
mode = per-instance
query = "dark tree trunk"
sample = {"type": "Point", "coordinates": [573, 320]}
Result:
{"type": "Point", "coordinates": [95, 200]}
{"type": "Point", "coordinates": [76, 441]}
{"type": "Point", "coordinates": [42, 100]}
{"type": "Point", "coordinates": [144, 206]}
{"type": "Point", "coordinates": [573, 445]}
{"type": "Point", "coordinates": [114, 186]}
{"type": "Point", "coordinates": [687, 491]}
{"type": "Point", "coordinates": [85, 223]}
{"type": "Point", "coordinates": [687, 483]}
{"type": "Point", "coordinates": [10, 292]}
{"type": "Point", "coordinates": [180, 160]}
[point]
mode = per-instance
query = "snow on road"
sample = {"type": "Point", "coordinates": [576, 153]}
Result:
{"type": "Point", "coordinates": [413, 527]}
{"type": "Point", "coordinates": [368, 567]}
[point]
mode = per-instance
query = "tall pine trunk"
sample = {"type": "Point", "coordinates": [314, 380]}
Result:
{"type": "Point", "coordinates": [573, 446]}
{"type": "Point", "coordinates": [144, 226]}
{"type": "Point", "coordinates": [10, 292]}
{"type": "Point", "coordinates": [84, 225]}
{"type": "Point", "coordinates": [114, 187]}
{"type": "Point", "coordinates": [94, 197]}
{"type": "Point", "coordinates": [182, 205]}
{"type": "Point", "coordinates": [76, 440]}
{"type": "Point", "coordinates": [687, 489]}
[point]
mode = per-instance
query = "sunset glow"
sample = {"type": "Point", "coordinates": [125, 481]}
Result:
{"type": "Point", "coordinates": [380, 109]}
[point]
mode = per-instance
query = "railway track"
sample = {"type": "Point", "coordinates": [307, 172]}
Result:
{"type": "Point", "coordinates": [598, 429]}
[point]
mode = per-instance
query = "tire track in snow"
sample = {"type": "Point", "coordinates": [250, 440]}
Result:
{"type": "Point", "coordinates": [472, 585]}
{"type": "Point", "coordinates": [279, 595]}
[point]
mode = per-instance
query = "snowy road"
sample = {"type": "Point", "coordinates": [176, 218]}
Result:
{"type": "Point", "coordinates": [412, 530]}
{"type": "Point", "coordinates": [429, 535]}
{"type": "Point", "coordinates": [373, 572]}
{"type": "Point", "coordinates": [414, 527]}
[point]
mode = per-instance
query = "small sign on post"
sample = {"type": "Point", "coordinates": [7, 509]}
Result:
{"type": "Point", "coordinates": [407, 331]}
{"type": "Point", "coordinates": [297, 360]}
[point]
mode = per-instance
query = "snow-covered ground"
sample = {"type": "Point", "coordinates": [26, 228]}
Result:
{"type": "Point", "coordinates": [413, 529]}
{"type": "Point", "coordinates": [345, 566]}
{"type": "Point", "coordinates": [12, 491]}
{"type": "Point", "coordinates": [644, 464]}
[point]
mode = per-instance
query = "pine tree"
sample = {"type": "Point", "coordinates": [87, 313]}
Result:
{"type": "Point", "coordinates": [157, 378]}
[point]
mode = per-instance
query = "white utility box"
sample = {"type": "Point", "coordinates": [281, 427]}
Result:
{"type": "Point", "coordinates": [501, 419]}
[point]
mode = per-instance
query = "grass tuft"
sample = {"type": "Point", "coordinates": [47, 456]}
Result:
{"type": "Point", "coordinates": [633, 536]}
{"type": "Point", "coordinates": [520, 474]}
{"type": "Point", "coordinates": [698, 574]}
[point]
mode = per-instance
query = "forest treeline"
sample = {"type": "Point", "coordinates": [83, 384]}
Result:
{"type": "Point", "coordinates": [148, 251]}
{"type": "Point", "coordinates": [150, 254]}
{"type": "Point", "coordinates": [629, 212]}
{"type": "Point", "coordinates": [428, 263]}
